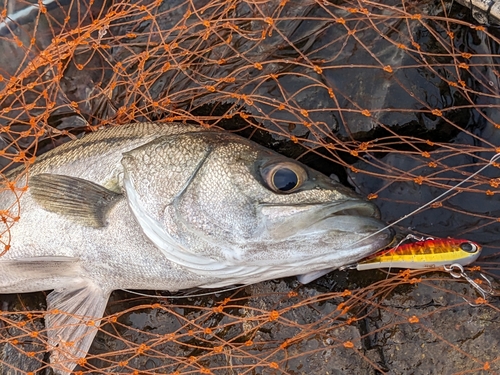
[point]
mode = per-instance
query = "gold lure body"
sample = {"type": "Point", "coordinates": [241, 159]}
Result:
{"type": "Point", "coordinates": [430, 253]}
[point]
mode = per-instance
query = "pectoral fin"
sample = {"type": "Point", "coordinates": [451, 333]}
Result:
{"type": "Point", "coordinates": [80, 200]}
{"type": "Point", "coordinates": [72, 321]}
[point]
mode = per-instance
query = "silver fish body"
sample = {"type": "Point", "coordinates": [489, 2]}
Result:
{"type": "Point", "coordinates": [171, 206]}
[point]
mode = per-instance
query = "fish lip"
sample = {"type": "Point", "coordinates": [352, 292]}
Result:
{"type": "Point", "coordinates": [378, 234]}
{"type": "Point", "coordinates": [352, 216]}
{"type": "Point", "coordinates": [378, 240]}
{"type": "Point", "coordinates": [355, 208]}
{"type": "Point", "coordinates": [381, 237]}
{"type": "Point", "coordinates": [351, 207]}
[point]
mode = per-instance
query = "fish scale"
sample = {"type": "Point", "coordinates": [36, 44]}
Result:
{"type": "Point", "coordinates": [170, 207]}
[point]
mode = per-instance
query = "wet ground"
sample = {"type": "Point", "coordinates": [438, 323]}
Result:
{"type": "Point", "coordinates": [419, 328]}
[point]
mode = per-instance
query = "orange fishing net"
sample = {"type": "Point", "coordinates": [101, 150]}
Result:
{"type": "Point", "coordinates": [397, 98]}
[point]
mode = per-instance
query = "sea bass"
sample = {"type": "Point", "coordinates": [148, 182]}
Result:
{"type": "Point", "coordinates": [170, 206]}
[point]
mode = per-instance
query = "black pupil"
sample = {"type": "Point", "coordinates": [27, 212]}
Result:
{"type": "Point", "coordinates": [466, 246]}
{"type": "Point", "coordinates": [285, 179]}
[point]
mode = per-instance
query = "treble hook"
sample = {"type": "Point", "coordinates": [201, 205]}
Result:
{"type": "Point", "coordinates": [457, 271]}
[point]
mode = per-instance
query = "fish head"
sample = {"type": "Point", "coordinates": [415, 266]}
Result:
{"type": "Point", "coordinates": [226, 208]}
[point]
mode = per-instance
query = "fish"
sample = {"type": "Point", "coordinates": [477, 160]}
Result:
{"type": "Point", "coordinates": [429, 253]}
{"type": "Point", "coordinates": [170, 206]}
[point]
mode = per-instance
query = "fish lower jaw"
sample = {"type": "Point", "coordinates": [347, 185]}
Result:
{"type": "Point", "coordinates": [253, 275]}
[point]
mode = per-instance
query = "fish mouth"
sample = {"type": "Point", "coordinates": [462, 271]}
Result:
{"type": "Point", "coordinates": [285, 221]}
{"type": "Point", "coordinates": [362, 218]}
{"type": "Point", "coordinates": [358, 221]}
{"type": "Point", "coordinates": [374, 234]}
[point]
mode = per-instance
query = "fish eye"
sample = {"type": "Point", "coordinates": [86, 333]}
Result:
{"type": "Point", "coordinates": [469, 247]}
{"type": "Point", "coordinates": [284, 177]}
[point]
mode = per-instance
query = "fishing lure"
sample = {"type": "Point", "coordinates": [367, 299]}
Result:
{"type": "Point", "coordinates": [451, 254]}
{"type": "Point", "coordinates": [425, 253]}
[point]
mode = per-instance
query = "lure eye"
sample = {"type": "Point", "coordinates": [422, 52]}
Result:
{"type": "Point", "coordinates": [284, 177]}
{"type": "Point", "coordinates": [469, 247]}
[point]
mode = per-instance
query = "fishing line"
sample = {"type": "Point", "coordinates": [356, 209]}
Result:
{"type": "Point", "coordinates": [492, 160]}
{"type": "Point", "coordinates": [185, 295]}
